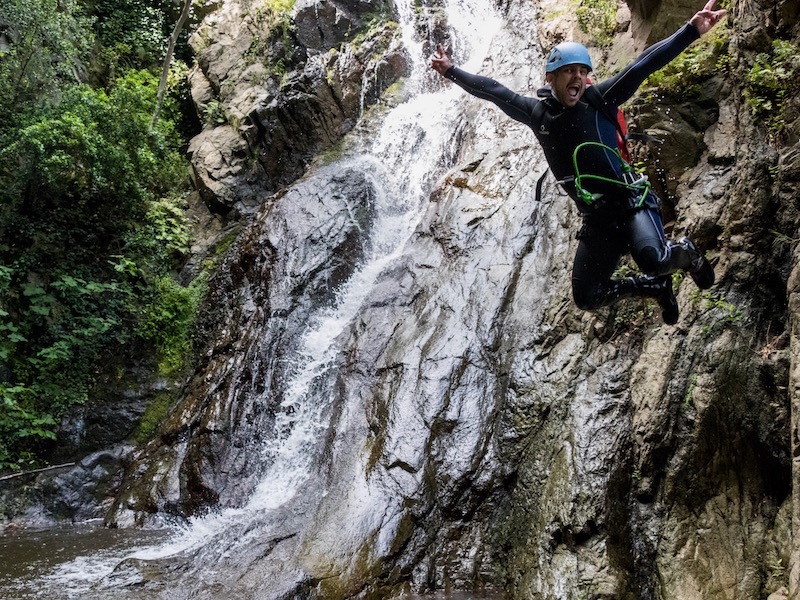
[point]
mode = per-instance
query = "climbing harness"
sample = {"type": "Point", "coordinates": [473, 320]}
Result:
{"type": "Point", "coordinates": [637, 183]}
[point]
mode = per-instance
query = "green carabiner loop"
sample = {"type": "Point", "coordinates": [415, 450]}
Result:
{"type": "Point", "coordinates": [640, 185]}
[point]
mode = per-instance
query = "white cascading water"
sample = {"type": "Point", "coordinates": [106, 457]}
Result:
{"type": "Point", "coordinates": [402, 159]}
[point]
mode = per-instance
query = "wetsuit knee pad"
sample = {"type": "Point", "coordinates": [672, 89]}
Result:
{"type": "Point", "coordinates": [587, 297]}
{"type": "Point", "coordinates": [652, 261]}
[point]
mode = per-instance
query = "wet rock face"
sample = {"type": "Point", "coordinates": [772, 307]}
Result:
{"type": "Point", "coordinates": [73, 493]}
{"type": "Point", "coordinates": [479, 430]}
{"type": "Point", "coordinates": [323, 25]}
{"type": "Point", "coordinates": [314, 108]}
{"type": "Point", "coordinates": [260, 302]}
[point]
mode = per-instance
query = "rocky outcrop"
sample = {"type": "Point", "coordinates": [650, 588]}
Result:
{"type": "Point", "coordinates": [280, 272]}
{"type": "Point", "coordinates": [275, 89]}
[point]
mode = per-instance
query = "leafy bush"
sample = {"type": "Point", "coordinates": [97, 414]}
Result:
{"type": "Point", "coordinates": [47, 45]}
{"type": "Point", "coordinates": [19, 428]}
{"type": "Point", "coordinates": [84, 174]}
{"type": "Point", "coordinates": [598, 18]}
{"type": "Point", "coordinates": [91, 221]}
{"type": "Point", "coordinates": [153, 246]}
{"type": "Point", "coordinates": [130, 34]}
{"type": "Point", "coordinates": [53, 333]}
{"type": "Point", "coordinates": [215, 114]}
{"type": "Point", "coordinates": [682, 77]}
{"type": "Point", "coordinates": [773, 81]}
{"type": "Point", "coordinates": [168, 321]}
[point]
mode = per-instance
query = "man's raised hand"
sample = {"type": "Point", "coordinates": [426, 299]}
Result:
{"type": "Point", "coordinates": [440, 62]}
{"type": "Point", "coordinates": [705, 19]}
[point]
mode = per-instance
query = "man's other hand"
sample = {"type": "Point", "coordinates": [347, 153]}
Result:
{"type": "Point", "coordinates": [440, 62]}
{"type": "Point", "coordinates": [705, 19]}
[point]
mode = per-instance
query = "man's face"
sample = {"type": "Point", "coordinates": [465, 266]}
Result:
{"type": "Point", "coordinates": [568, 83]}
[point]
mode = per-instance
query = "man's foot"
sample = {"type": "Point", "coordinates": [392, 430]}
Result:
{"type": "Point", "coordinates": [666, 299]}
{"type": "Point", "coordinates": [700, 270]}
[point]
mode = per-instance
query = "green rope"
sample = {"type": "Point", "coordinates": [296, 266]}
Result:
{"type": "Point", "coordinates": [641, 186]}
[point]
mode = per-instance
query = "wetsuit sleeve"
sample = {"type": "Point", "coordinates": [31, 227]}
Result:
{"type": "Point", "coordinates": [515, 106]}
{"type": "Point", "coordinates": [622, 86]}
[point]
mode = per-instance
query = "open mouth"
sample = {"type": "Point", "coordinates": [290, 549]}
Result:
{"type": "Point", "coordinates": [573, 91]}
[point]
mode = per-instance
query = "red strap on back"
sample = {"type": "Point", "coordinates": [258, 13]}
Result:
{"type": "Point", "coordinates": [623, 127]}
{"type": "Point", "coordinates": [621, 144]}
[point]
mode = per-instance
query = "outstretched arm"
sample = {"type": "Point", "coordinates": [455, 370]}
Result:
{"type": "Point", "coordinates": [705, 19]}
{"type": "Point", "coordinates": [622, 86]}
{"type": "Point", "coordinates": [515, 106]}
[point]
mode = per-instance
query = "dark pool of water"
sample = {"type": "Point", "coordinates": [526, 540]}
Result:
{"type": "Point", "coordinates": [59, 562]}
{"type": "Point", "coordinates": [63, 563]}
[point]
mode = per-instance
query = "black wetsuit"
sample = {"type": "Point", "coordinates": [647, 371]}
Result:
{"type": "Point", "coordinates": [611, 226]}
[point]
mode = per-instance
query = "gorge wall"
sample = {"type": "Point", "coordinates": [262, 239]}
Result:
{"type": "Point", "coordinates": [469, 428]}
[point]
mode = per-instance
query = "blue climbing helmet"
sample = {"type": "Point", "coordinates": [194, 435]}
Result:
{"type": "Point", "coordinates": [568, 53]}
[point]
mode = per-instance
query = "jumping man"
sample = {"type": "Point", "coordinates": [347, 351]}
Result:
{"type": "Point", "coordinates": [575, 123]}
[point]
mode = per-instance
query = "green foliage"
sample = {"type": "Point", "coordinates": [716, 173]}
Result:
{"type": "Point", "coordinates": [273, 19]}
{"type": "Point", "coordinates": [155, 414]}
{"type": "Point", "coordinates": [688, 398]}
{"type": "Point", "coordinates": [19, 426]}
{"type": "Point", "coordinates": [84, 175]}
{"type": "Point", "coordinates": [168, 321]}
{"type": "Point", "coordinates": [92, 206]}
{"type": "Point", "coordinates": [48, 42]}
{"type": "Point", "coordinates": [703, 59]}
{"type": "Point", "coordinates": [155, 244]}
{"type": "Point", "coordinates": [781, 239]}
{"type": "Point", "coordinates": [773, 81]}
{"type": "Point", "coordinates": [730, 313]}
{"type": "Point", "coordinates": [136, 25]}
{"type": "Point", "coordinates": [726, 314]}
{"type": "Point", "coordinates": [598, 18]}
{"type": "Point", "coordinates": [167, 221]}
{"type": "Point", "coordinates": [214, 113]}
{"type": "Point", "coordinates": [130, 34]}
{"type": "Point", "coordinates": [91, 214]}
{"type": "Point", "coordinates": [375, 23]}
{"type": "Point", "coordinates": [52, 333]}
{"type": "Point", "coordinates": [280, 6]}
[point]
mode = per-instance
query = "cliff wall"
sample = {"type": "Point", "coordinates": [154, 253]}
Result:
{"type": "Point", "coordinates": [474, 429]}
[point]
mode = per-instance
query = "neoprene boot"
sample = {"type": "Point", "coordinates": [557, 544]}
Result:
{"type": "Point", "coordinates": [686, 256]}
{"type": "Point", "coordinates": [659, 288]}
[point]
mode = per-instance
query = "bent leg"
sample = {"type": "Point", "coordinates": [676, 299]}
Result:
{"type": "Point", "coordinates": [599, 251]}
{"type": "Point", "coordinates": [648, 243]}
{"type": "Point", "coordinates": [596, 259]}
{"type": "Point", "coordinates": [656, 256]}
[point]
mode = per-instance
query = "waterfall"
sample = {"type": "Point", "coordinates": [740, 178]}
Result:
{"type": "Point", "coordinates": [401, 162]}
{"type": "Point", "coordinates": [402, 157]}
